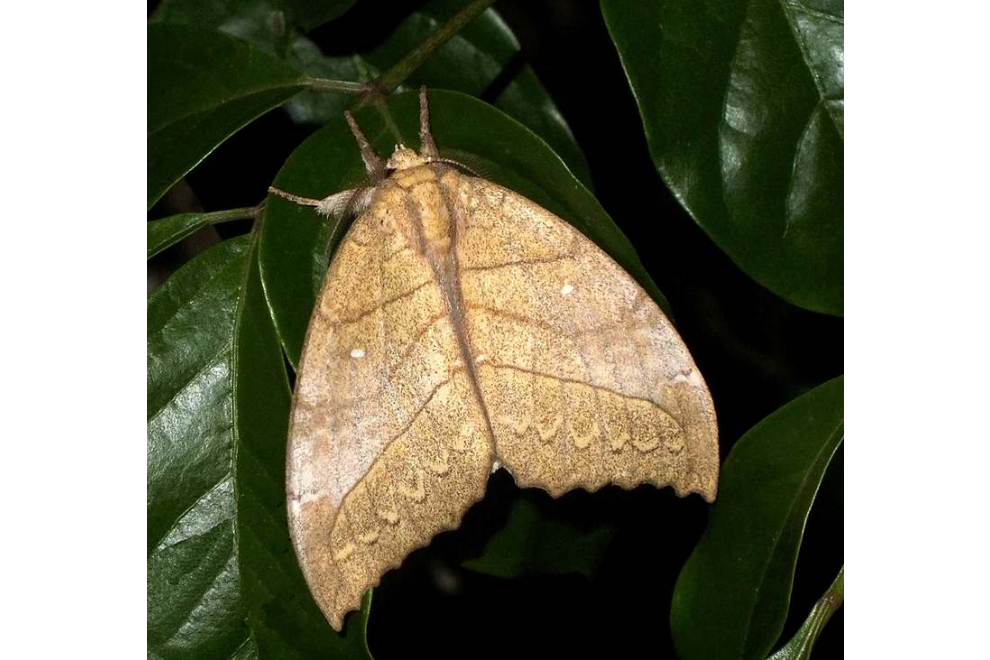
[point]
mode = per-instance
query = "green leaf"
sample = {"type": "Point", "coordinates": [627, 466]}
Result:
{"type": "Point", "coordinates": [732, 596]}
{"type": "Point", "coordinates": [482, 53]}
{"type": "Point", "coordinates": [799, 647]}
{"type": "Point", "coordinates": [255, 21]}
{"type": "Point", "coordinates": [263, 23]}
{"type": "Point", "coordinates": [168, 231]}
{"type": "Point", "coordinates": [742, 102]}
{"type": "Point", "coordinates": [311, 13]}
{"type": "Point", "coordinates": [294, 240]}
{"type": "Point", "coordinates": [471, 62]}
{"type": "Point", "coordinates": [222, 578]}
{"type": "Point", "coordinates": [528, 544]}
{"type": "Point", "coordinates": [202, 88]}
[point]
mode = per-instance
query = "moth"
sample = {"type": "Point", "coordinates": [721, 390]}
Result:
{"type": "Point", "coordinates": [461, 328]}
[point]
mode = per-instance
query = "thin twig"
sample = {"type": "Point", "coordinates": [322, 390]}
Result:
{"type": "Point", "coordinates": [393, 77]}
{"type": "Point", "coordinates": [229, 215]}
{"type": "Point", "coordinates": [345, 86]}
{"type": "Point", "coordinates": [799, 647]}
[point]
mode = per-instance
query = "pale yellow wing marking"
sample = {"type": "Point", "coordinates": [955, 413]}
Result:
{"type": "Point", "coordinates": [399, 504]}
{"type": "Point", "coordinates": [585, 379]}
{"type": "Point", "coordinates": [387, 444]}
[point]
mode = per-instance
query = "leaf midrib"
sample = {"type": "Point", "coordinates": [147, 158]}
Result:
{"type": "Point", "coordinates": [787, 8]}
{"type": "Point", "coordinates": [255, 91]}
{"type": "Point", "coordinates": [235, 431]}
{"type": "Point", "coordinates": [244, 568]}
{"type": "Point", "coordinates": [157, 546]}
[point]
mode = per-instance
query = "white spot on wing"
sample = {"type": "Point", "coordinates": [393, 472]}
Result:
{"type": "Point", "coordinates": [566, 289]}
{"type": "Point", "coordinates": [692, 377]}
{"type": "Point", "coordinates": [357, 353]}
{"type": "Point", "coordinates": [297, 502]}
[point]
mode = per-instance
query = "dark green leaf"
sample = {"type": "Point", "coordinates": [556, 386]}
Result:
{"type": "Point", "coordinates": [222, 578]}
{"type": "Point", "coordinates": [483, 52]}
{"type": "Point", "coordinates": [472, 62]}
{"type": "Point", "coordinates": [293, 243]}
{"type": "Point", "coordinates": [169, 231]}
{"type": "Point", "coordinates": [203, 87]}
{"type": "Point", "coordinates": [799, 647]}
{"type": "Point", "coordinates": [311, 13]}
{"type": "Point", "coordinates": [732, 596]}
{"type": "Point", "coordinates": [263, 23]}
{"type": "Point", "coordinates": [256, 21]}
{"type": "Point", "coordinates": [268, 24]}
{"type": "Point", "coordinates": [742, 102]}
{"type": "Point", "coordinates": [528, 544]}
{"type": "Point", "coordinates": [190, 502]}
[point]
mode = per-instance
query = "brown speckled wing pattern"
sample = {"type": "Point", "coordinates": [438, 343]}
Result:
{"type": "Point", "coordinates": [461, 327]}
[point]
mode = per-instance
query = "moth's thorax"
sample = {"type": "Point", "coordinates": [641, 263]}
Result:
{"type": "Point", "coordinates": [417, 205]}
{"type": "Point", "coordinates": [404, 158]}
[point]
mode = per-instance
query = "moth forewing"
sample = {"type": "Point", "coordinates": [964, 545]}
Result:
{"type": "Point", "coordinates": [461, 326]}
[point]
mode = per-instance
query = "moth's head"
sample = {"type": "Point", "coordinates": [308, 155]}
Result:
{"type": "Point", "coordinates": [404, 158]}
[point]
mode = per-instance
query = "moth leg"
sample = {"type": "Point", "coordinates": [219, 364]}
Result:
{"type": "Point", "coordinates": [347, 202]}
{"type": "Point", "coordinates": [427, 147]}
{"type": "Point", "coordinates": [372, 162]}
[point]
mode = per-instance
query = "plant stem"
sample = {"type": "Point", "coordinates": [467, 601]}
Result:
{"type": "Point", "coordinates": [799, 647]}
{"type": "Point", "coordinates": [388, 81]}
{"type": "Point", "coordinates": [327, 85]}
{"type": "Point", "coordinates": [836, 593]}
{"type": "Point", "coordinates": [245, 213]}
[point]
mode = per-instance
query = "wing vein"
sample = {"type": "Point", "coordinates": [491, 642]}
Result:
{"type": "Point", "coordinates": [576, 381]}
{"type": "Point", "coordinates": [520, 262]}
{"type": "Point", "coordinates": [380, 305]}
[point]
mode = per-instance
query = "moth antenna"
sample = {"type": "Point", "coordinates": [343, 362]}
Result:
{"type": "Point", "coordinates": [372, 162]}
{"type": "Point", "coordinates": [427, 147]}
{"type": "Point", "coordinates": [467, 162]}
{"type": "Point", "coordinates": [454, 163]}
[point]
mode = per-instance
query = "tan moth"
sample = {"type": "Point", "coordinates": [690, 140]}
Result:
{"type": "Point", "coordinates": [462, 327]}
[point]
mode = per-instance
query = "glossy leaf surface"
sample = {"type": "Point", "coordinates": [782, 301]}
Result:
{"type": "Point", "coordinates": [732, 596]}
{"type": "Point", "coordinates": [743, 106]}
{"type": "Point", "coordinates": [294, 241]}
{"type": "Point", "coordinates": [190, 497]}
{"type": "Point", "coordinates": [222, 578]}
{"type": "Point", "coordinates": [266, 25]}
{"type": "Point", "coordinates": [168, 231]}
{"type": "Point", "coordinates": [203, 87]}
{"type": "Point", "coordinates": [486, 50]}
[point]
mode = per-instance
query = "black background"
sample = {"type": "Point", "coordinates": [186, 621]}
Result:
{"type": "Point", "coordinates": [756, 352]}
